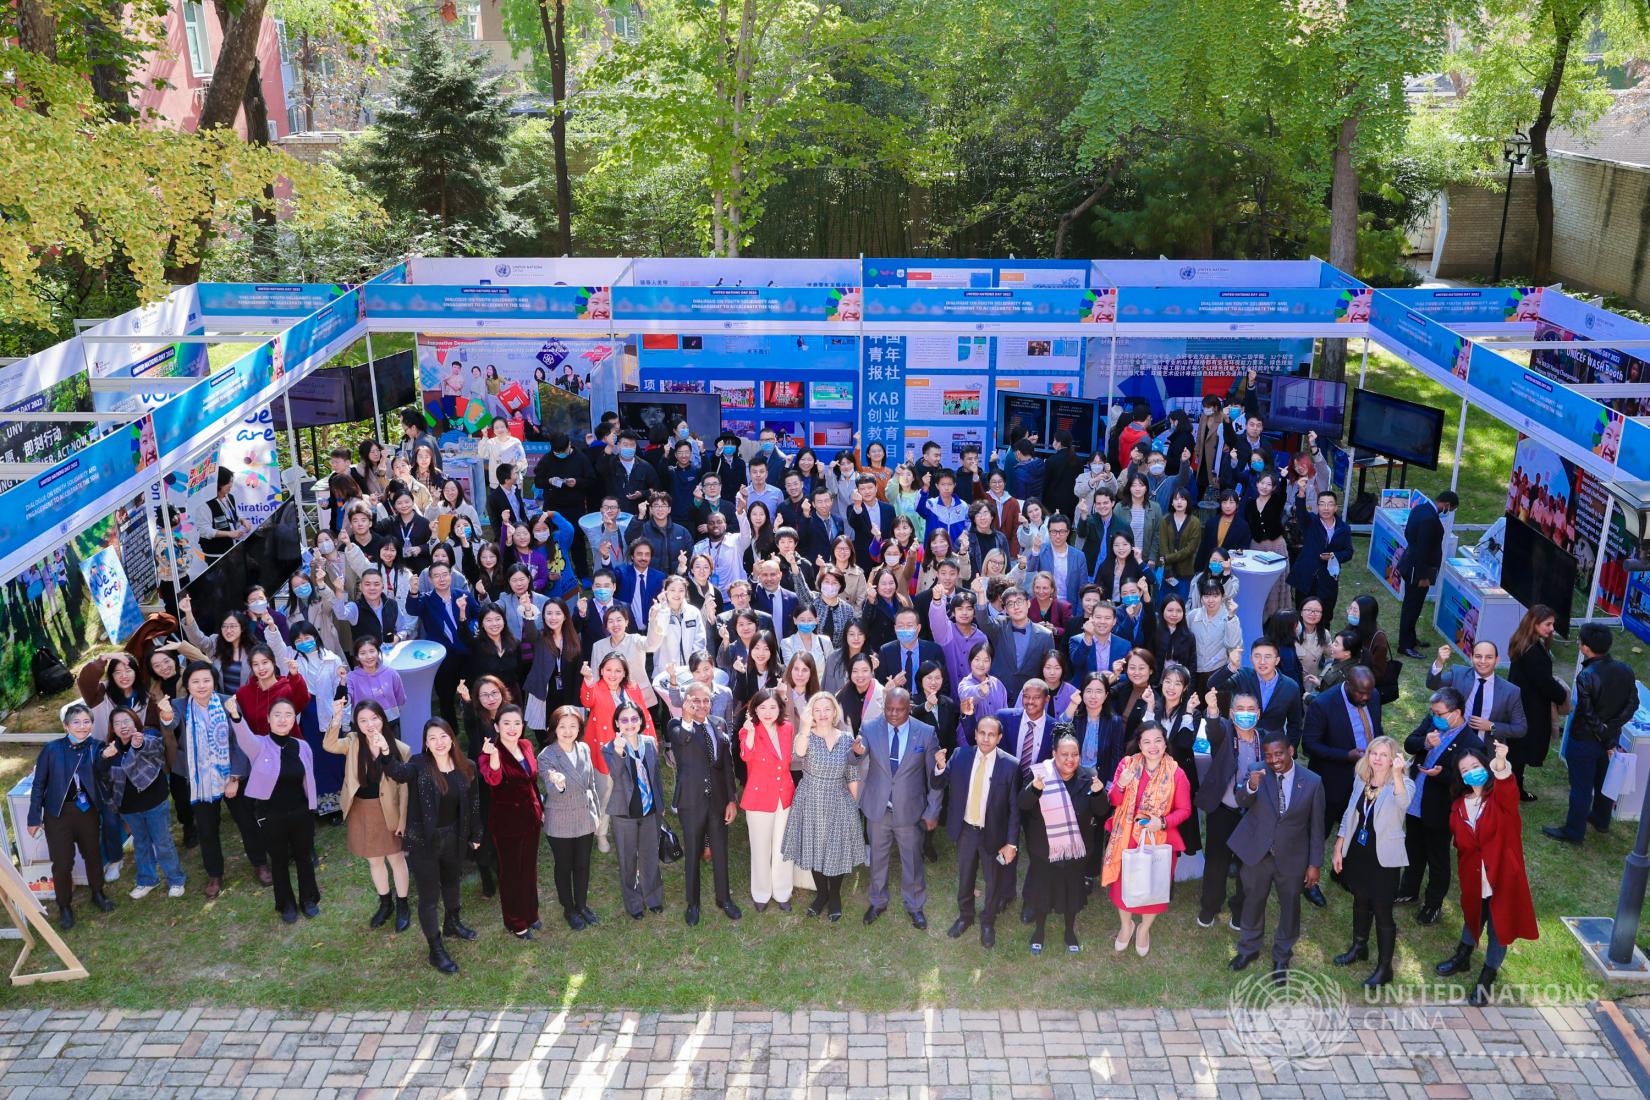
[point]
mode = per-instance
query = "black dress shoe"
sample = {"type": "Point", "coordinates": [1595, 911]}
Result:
{"type": "Point", "coordinates": [1526, 796]}
{"type": "Point", "coordinates": [1241, 962]}
{"type": "Point", "coordinates": [574, 921]}
{"type": "Point", "coordinates": [1559, 834]}
{"type": "Point", "coordinates": [958, 928]}
{"type": "Point", "coordinates": [1026, 915]}
{"type": "Point", "coordinates": [692, 914]}
{"type": "Point", "coordinates": [310, 909]}
{"type": "Point", "coordinates": [289, 916]}
{"type": "Point", "coordinates": [65, 917]}
{"type": "Point", "coordinates": [1280, 976]}
{"type": "Point", "coordinates": [919, 922]}
{"type": "Point", "coordinates": [1412, 652]}
{"type": "Point", "coordinates": [761, 907]}
{"type": "Point", "coordinates": [1315, 896]}
{"type": "Point", "coordinates": [588, 914]}
{"type": "Point", "coordinates": [817, 909]}
{"type": "Point", "coordinates": [988, 936]}
{"type": "Point", "coordinates": [655, 909]}
{"type": "Point", "coordinates": [871, 914]}
{"type": "Point", "coordinates": [784, 906]}
{"type": "Point", "coordinates": [453, 926]}
{"type": "Point", "coordinates": [729, 910]}
{"type": "Point", "coordinates": [1428, 915]}
{"type": "Point", "coordinates": [637, 916]}
{"type": "Point", "coordinates": [102, 903]}
{"type": "Point", "coordinates": [1456, 963]}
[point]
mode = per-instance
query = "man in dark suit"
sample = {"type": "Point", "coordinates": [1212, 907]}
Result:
{"type": "Point", "coordinates": [706, 800]}
{"type": "Point", "coordinates": [1495, 705]}
{"type": "Point", "coordinates": [1280, 844]}
{"type": "Point", "coordinates": [1018, 645]}
{"type": "Point", "coordinates": [1060, 476]}
{"type": "Point", "coordinates": [739, 599]}
{"type": "Point", "coordinates": [1340, 724]}
{"type": "Point", "coordinates": [1419, 563]}
{"type": "Point", "coordinates": [1434, 750]}
{"type": "Point", "coordinates": [1233, 747]}
{"type": "Point", "coordinates": [871, 520]}
{"type": "Point", "coordinates": [907, 653]}
{"type": "Point", "coordinates": [984, 822]}
{"type": "Point", "coordinates": [628, 476]}
{"type": "Point", "coordinates": [639, 584]}
{"type": "Point", "coordinates": [506, 502]}
{"type": "Point", "coordinates": [1607, 696]}
{"type": "Point", "coordinates": [819, 527]}
{"type": "Point", "coordinates": [1279, 696]}
{"type": "Point", "coordinates": [770, 597]}
{"type": "Point", "coordinates": [1326, 545]}
{"type": "Point", "coordinates": [896, 755]}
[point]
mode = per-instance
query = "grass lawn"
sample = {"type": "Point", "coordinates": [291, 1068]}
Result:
{"type": "Point", "coordinates": [161, 953]}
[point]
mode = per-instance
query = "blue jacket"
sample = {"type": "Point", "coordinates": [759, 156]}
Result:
{"type": "Point", "coordinates": [58, 762]}
{"type": "Point", "coordinates": [435, 625]}
{"type": "Point", "coordinates": [1024, 476]}
{"type": "Point", "coordinates": [1077, 571]}
{"type": "Point", "coordinates": [628, 577]}
{"type": "Point", "coordinates": [1310, 573]}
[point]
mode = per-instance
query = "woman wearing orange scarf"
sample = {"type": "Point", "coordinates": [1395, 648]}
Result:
{"type": "Point", "coordinates": [1151, 796]}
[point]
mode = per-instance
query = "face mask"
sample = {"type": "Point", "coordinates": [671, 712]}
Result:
{"type": "Point", "coordinates": [603, 593]}
{"type": "Point", "coordinates": [257, 607]}
{"type": "Point", "coordinates": [565, 454]}
{"type": "Point", "coordinates": [681, 433]}
{"type": "Point", "coordinates": [1352, 618]}
{"type": "Point", "coordinates": [306, 645]}
{"type": "Point", "coordinates": [1155, 468]}
{"type": "Point", "coordinates": [304, 591]}
{"type": "Point", "coordinates": [729, 449]}
{"type": "Point", "coordinates": [829, 589]}
{"type": "Point", "coordinates": [627, 452]}
{"type": "Point", "coordinates": [906, 636]}
{"type": "Point", "coordinates": [541, 536]}
{"type": "Point", "coordinates": [462, 532]}
{"type": "Point", "coordinates": [1477, 777]}
{"type": "Point", "coordinates": [767, 447]}
{"type": "Point", "coordinates": [324, 546]}
{"type": "Point", "coordinates": [1131, 601]}
{"type": "Point", "coordinates": [1245, 719]}
{"type": "Point", "coordinates": [1217, 567]}
{"type": "Point", "coordinates": [711, 500]}
{"type": "Point", "coordinates": [1257, 464]}
{"type": "Point", "coordinates": [1440, 723]}
{"type": "Point", "coordinates": [806, 628]}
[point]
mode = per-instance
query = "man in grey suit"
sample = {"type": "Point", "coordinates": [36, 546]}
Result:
{"type": "Point", "coordinates": [1280, 844]}
{"type": "Point", "coordinates": [1495, 706]}
{"type": "Point", "coordinates": [1018, 645]}
{"type": "Point", "coordinates": [896, 757]}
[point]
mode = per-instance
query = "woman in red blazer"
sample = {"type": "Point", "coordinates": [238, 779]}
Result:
{"type": "Point", "coordinates": [765, 745]}
{"type": "Point", "coordinates": [1489, 841]}
{"type": "Point", "coordinates": [600, 694]}
{"type": "Point", "coordinates": [515, 820]}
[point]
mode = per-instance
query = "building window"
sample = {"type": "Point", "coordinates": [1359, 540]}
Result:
{"type": "Point", "coordinates": [194, 32]}
{"type": "Point", "coordinates": [469, 14]}
{"type": "Point", "coordinates": [281, 41]}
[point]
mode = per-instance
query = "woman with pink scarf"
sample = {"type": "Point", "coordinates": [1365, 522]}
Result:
{"type": "Point", "coordinates": [1059, 806]}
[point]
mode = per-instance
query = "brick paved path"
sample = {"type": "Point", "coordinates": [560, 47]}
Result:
{"type": "Point", "coordinates": [1422, 1052]}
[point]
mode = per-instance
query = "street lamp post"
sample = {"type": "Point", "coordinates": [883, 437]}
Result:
{"type": "Point", "coordinates": [1633, 498]}
{"type": "Point", "coordinates": [1513, 150]}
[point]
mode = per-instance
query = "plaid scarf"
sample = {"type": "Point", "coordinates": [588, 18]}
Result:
{"type": "Point", "coordinates": [1065, 839]}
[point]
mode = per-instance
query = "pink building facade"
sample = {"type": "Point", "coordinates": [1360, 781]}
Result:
{"type": "Point", "coordinates": [193, 41]}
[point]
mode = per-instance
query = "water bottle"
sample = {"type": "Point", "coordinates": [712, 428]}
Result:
{"type": "Point", "coordinates": [1200, 747]}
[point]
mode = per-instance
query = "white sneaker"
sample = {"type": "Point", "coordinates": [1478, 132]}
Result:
{"type": "Point", "coordinates": [111, 871]}
{"type": "Point", "coordinates": [139, 892]}
{"type": "Point", "coordinates": [174, 891]}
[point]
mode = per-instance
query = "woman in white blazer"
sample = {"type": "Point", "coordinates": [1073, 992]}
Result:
{"type": "Point", "coordinates": [676, 629]}
{"type": "Point", "coordinates": [1370, 853]}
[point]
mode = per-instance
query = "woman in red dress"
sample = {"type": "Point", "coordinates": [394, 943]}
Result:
{"type": "Point", "coordinates": [1151, 796]}
{"type": "Point", "coordinates": [1489, 845]}
{"type": "Point", "coordinates": [515, 820]}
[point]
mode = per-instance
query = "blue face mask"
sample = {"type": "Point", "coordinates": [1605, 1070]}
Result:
{"type": "Point", "coordinates": [1217, 567]}
{"type": "Point", "coordinates": [767, 447]}
{"type": "Point", "coordinates": [1440, 723]}
{"type": "Point", "coordinates": [1257, 464]}
{"type": "Point", "coordinates": [627, 452]}
{"type": "Point", "coordinates": [1131, 601]}
{"type": "Point", "coordinates": [1352, 618]}
{"type": "Point", "coordinates": [1477, 777]}
{"type": "Point", "coordinates": [1245, 719]}
{"type": "Point", "coordinates": [806, 628]}
{"type": "Point", "coordinates": [304, 591]}
{"type": "Point", "coordinates": [602, 593]}
{"type": "Point", "coordinates": [729, 449]}
{"type": "Point", "coordinates": [305, 645]}
{"type": "Point", "coordinates": [906, 636]}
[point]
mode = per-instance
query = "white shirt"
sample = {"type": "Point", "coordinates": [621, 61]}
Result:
{"type": "Point", "coordinates": [1059, 570]}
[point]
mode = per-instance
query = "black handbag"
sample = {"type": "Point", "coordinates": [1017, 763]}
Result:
{"type": "Point", "coordinates": [670, 847]}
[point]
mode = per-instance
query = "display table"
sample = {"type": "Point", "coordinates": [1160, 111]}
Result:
{"type": "Point", "coordinates": [1386, 537]}
{"type": "Point", "coordinates": [1637, 734]}
{"type": "Point", "coordinates": [1473, 608]}
{"type": "Point", "coordinates": [416, 660]}
{"type": "Point", "coordinates": [1257, 572]}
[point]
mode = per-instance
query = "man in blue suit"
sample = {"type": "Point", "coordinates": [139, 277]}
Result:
{"type": "Point", "coordinates": [1028, 737]}
{"type": "Point", "coordinates": [870, 520]}
{"type": "Point", "coordinates": [770, 598]}
{"type": "Point", "coordinates": [1097, 646]}
{"type": "Point", "coordinates": [984, 822]}
{"type": "Point", "coordinates": [443, 616]}
{"type": "Point", "coordinates": [907, 653]}
{"type": "Point", "coordinates": [1418, 565]}
{"type": "Point", "coordinates": [1326, 545]}
{"type": "Point", "coordinates": [896, 757]}
{"type": "Point", "coordinates": [639, 584]}
{"type": "Point", "coordinates": [1340, 724]}
{"type": "Point", "coordinates": [1064, 562]}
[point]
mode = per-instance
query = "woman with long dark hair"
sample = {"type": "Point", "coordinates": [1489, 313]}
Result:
{"type": "Point", "coordinates": [374, 806]}
{"type": "Point", "coordinates": [1543, 694]}
{"type": "Point", "coordinates": [443, 822]}
{"type": "Point", "coordinates": [1373, 651]}
{"type": "Point", "coordinates": [553, 676]}
{"type": "Point", "coordinates": [514, 820]}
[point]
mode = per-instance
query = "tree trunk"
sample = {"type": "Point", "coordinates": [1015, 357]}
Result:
{"type": "Point", "coordinates": [110, 78]}
{"type": "Point", "coordinates": [37, 28]}
{"type": "Point", "coordinates": [1343, 230]}
{"type": "Point", "coordinates": [1064, 226]}
{"type": "Point", "coordinates": [555, 48]}
{"type": "Point", "coordinates": [257, 133]}
{"type": "Point", "coordinates": [1564, 33]}
{"type": "Point", "coordinates": [306, 65]}
{"type": "Point", "coordinates": [236, 57]}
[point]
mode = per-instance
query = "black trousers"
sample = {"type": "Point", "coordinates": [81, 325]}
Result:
{"type": "Point", "coordinates": [289, 836]}
{"type": "Point", "coordinates": [572, 856]}
{"type": "Point", "coordinates": [1415, 599]}
{"type": "Point", "coordinates": [447, 677]}
{"type": "Point", "coordinates": [1429, 850]}
{"type": "Point", "coordinates": [436, 866]}
{"type": "Point", "coordinates": [73, 828]}
{"type": "Point", "coordinates": [182, 808]}
{"type": "Point", "coordinates": [972, 853]}
{"type": "Point", "coordinates": [1217, 863]}
{"type": "Point", "coordinates": [208, 821]}
{"type": "Point", "coordinates": [701, 825]}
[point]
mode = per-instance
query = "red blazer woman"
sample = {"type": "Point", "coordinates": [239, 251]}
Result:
{"type": "Point", "coordinates": [515, 817]}
{"type": "Point", "coordinates": [598, 723]}
{"type": "Point", "coordinates": [768, 783]}
{"type": "Point", "coordinates": [1496, 845]}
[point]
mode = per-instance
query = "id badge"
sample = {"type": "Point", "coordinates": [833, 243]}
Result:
{"type": "Point", "coordinates": [82, 801]}
{"type": "Point", "coordinates": [1363, 835]}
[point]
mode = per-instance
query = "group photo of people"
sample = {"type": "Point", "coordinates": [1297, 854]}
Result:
{"type": "Point", "coordinates": [805, 676]}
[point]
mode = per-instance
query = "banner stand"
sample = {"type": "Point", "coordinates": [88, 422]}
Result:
{"type": "Point", "coordinates": [372, 379]}
{"type": "Point", "coordinates": [28, 916]}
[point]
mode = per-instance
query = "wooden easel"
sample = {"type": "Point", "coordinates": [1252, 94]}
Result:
{"type": "Point", "coordinates": [28, 916]}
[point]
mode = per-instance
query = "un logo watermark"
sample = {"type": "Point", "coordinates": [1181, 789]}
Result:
{"type": "Point", "coordinates": [1297, 1023]}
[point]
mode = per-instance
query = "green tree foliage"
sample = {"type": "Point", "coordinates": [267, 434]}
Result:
{"type": "Point", "coordinates": [440, 149]}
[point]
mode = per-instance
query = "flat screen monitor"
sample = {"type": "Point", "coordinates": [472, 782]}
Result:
{"type": "Point", "coordinates": [320, 399]}
{"type": "Point", "coordinates": [1022, 410]}
{"type": "Point", "coordinates": [1535, 570]}
{"type": "Point", "coordinates": [1398, 429]}
{"type": "Point", "coordinates": [642, 411]}
{"type": "Point", "coordinates": [1080, 418]}
{"type": "Point", "coordinates": [1308, 405]}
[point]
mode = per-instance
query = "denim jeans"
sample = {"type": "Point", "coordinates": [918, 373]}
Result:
{"type": "Point", "coordinates": [152, 844]}
{"type": "Point", "coordinates": [110, 839]}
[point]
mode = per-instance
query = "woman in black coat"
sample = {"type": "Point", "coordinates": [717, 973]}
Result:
{"type": "Point", "coordinates": [443, 823]}
{"type": "Point", "coordinates": [1532, 673]}
{"type": "Point", "coordinates": [1238, 536]}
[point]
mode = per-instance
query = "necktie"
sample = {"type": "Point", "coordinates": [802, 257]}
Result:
{"type": "Point", "coordinates": [911, 669]}
{"type": "Point", "coordinates": [1028, 745]}
{"type": "Point", "coordinates": [639, 765]}
{"type": "Point", "coordinates": [1478, 698]}
{"type": "Point", "coordinates": [638, 602]}
{"type": "Point", "coordinates": [681, 640]}
{"type": "Point", "coordinates": [975, 814]}
{"type": "Point", "coordinates": [710, 742]}
{"type": "Point", "coordinates": [1360, 736]}
{"type": "Point", "coordinates": [893, 749]}
{"type": "Point", "coordinates": [1283, 797]}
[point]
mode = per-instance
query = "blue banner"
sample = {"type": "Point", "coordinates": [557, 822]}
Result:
{"type": "Point", "coordinates": [446, 305]}
{"type": "Point", "coordinates": [1474, 305]}
{"type": "Point", "coordinates": [975, 274]}
{"type": "Point", "coordinates": [1002, 306]}
{"type": "Point", "coordinates": [1429, 340]}
{"type": "Point", "coordinates": [741, 303]}
{"type": "Point", "coordinates": [882, 402]}
{"type": "Point", "coordinates": [266, 299]}
{"type": "Point", "coordinates": [1194, 305]}
{"type": "Point", "coordinates": [1535, 402]}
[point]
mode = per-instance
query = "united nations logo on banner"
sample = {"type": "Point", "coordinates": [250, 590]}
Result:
{"type": "Point", "coordinates": [1188, 273]}
{"type": "Point", "coordinates": [501, 270]}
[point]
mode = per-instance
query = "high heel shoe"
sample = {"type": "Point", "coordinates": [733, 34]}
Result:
{"type": "Point", "coordinates": [1142, 943]}
{"type": "Point", "coordinates": [1121, 943]}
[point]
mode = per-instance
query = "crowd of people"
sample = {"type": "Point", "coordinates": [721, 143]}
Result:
{"type": "Point", "coordinates": [1033, 653]}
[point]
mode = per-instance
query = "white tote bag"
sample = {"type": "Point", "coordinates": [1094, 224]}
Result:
{"type": "Point", "coordinates": [1621, 777]}
{"type": "Point", "coordinates": [1147, 871]}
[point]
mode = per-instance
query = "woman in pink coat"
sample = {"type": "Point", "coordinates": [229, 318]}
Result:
{"type": "Point", "coordinates": [1151, 796]}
